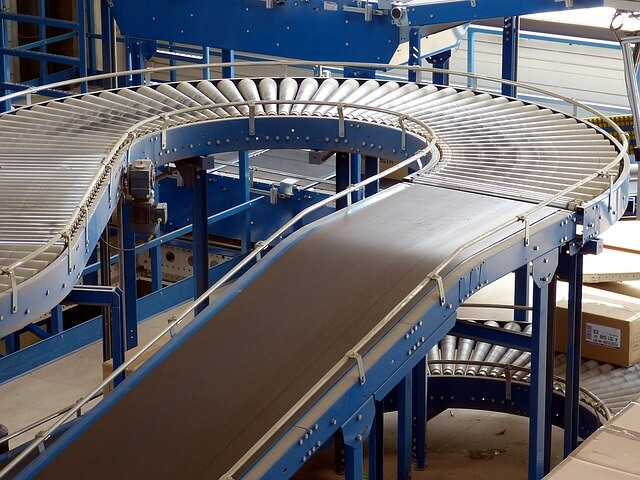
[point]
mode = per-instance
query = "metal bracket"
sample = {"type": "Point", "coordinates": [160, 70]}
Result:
{"type": "Point", "coordinates": [86, 227]}
{"type": "Point", "coordinates": [252, 118]}
{"type": "Point", "coordinates": [365, 8]}
{"type": "Point", "coordinates": [438, 278]}
{"type": "Point", "coordinates": [527, 229]}
{"type": "Point", "coordinates": [341, 120]}
{"type": "Point", "coordinates": [163, 133]}
{"type": "Point", "coordinates": [507, 386]}
{"type": "Point", "coordinates": [358, 358]}
{"type": "Point", "coordinates": [14, 291]}
{"type": "Point", "coordinates": [404, 132]}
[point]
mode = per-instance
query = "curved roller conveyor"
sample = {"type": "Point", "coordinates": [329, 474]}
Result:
{"type": "Point", "coordinates": [249, 373]}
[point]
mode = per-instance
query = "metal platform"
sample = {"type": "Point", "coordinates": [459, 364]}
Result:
{"type": "Point", "coordinates": [366, 292]}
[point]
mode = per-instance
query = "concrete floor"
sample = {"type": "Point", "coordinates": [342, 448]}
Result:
{"type": "Point", "coordinates": [461, 443]}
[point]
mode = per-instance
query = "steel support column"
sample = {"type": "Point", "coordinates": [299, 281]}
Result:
{"type": "Point", "coordinates": [200, 235]}
{"type": "Point", "coordinates": [405, 417]}
{"type": "Point", "coordinates": [356, 175]}
{"type": "Point", "coordinates": [228, 56]}
{"type": "Point", "coordinates": [510, 40]}
{"type": "Point", "coordinates": [129, 277]}
{"type": "Point", "coordinates": [376, 444]}
{"type": "Point", "coordinates": [420, 413]}
{"type": "Point", "coordinates": [57, 325]}
{"type": "Point", "coordinates": [521, 292]}
{"type": "Point", "coordinates": [245, 185]}
{"type": "Point", "coordinates": [107, 43]}
{"type": "Point", "coordinates": [82, 43]}
{"type": "Point", "coordinates": [371, 168]}
{"type": "Point", "coordinates": [541, 368]}
{"type": "Point", "coordinates": [105, 281]}
{"type": "Point", "coordinates": [5, 70]}
{"type": "Point", "coordinates": [441, 61]}
{"type": "Point", "coordinates": [343, 176]}
{"type": "Point", "coordinates": [574, 335]}
{"type": "Point", "coordinates": [415, 54]}
{"type": "Point", "coordinates": [355, 432]}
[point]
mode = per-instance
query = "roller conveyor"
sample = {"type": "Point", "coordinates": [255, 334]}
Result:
{"type": "Point", "coordinates": [377, 251]}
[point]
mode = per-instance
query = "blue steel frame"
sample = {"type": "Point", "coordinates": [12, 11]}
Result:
{"type": "Point", "coordinates": [289, 34]}
{"type": "Point", "coordinates": [37, 50]}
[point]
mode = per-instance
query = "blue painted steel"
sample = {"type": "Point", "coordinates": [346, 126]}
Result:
{"type": "Point", "coordinates": [471, 54]}
{"type": "Point", "coordinates": [415, 52]}
{"type": "Point", "coordinates": [244, 184]}
{"type": "Point", "coordinates": [112, 298]}
{"type": "Point", "coordinates": [405, 414]}
{"type": "Point", "coordinates": [574, 336]}
{"type": "Point", "coordinates": [510, 40]}
{"type": "Point", "coordinates": [37, 331]}
{"type": "Point", "coordinates": [521, 292]}
{"type": "Point", "coordinates": [355, 431]}
{"type": "Point", "coordinates": [440, 60]}
{"type": "Point", "coordinates": [5, 70]}
{"type": "Point", "coordinates": [56, 320]}
{"type": "Point", "coordinates": [107, 43]}
{"type": "Point", "coordinates": [46, 41]}
{"type": "Point", "coordinates": [343, 177]}
{"type": "Point", "coordinates": [499, 336]}
{"type": "Point", "coordinates": [289, 35]}
{"type": "Point", "coordinates": [355, 167]}
{"type": "Point", "coordinates": [228, 55]}
{"type": "Point", "coordinates": [539, 420]}
{"type": "Point", "coordinates": [420, 413]}
{"type": "Point", "coordinates": [82, 42]}
{"type": "Point", "coordinates": [371, 168]}
{"type": "Point", "coordinates": [155, 256]}
{"type": "Point", "coordinates": [206, 58]}
{"type": "Point", "coordinates": [376, 444]}
{"type": "Point", "coordinates": [48, 57]}
{"type": "Point", "coordinates": [200, 235]}
{"type": "Point", "coordinates": [487, 393]}
{"type": "Point", "coordinates": [130, 281]}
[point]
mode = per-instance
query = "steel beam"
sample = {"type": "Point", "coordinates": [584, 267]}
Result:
{"type": "Point", "coordinates": [510, 41]}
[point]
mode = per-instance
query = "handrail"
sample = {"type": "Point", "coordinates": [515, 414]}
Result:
{"type": "Point", "coordinates": [261, 246]}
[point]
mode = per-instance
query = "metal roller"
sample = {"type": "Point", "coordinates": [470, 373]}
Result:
{"type": "Point", "coordinates": [268, 89]}
{"type": "Point", "coordinates": [307, 90]}
{"type": "Point", "coordinates": [448, 352]}
{"type": "Point", "coordinates": [435, 368]}
{"type": "Point", "coordinates": [345, 89]}
{"type": "Point", "coordinates": [217, 96]}
{"type": "Point", "coordinates": [249, 91]}
{"type": "Point", "coordinates": [286, 91]}
{"type": "Point", "coordinates": [230, 91]}
{"type": "Point", "coordinates": [324, 92]}
{"type": "Point", "coordinates": [497, 351]}
{"type": "Point", "coordinates": [481, 351]}
{"type": "Point", "coordinates": [199, 97]}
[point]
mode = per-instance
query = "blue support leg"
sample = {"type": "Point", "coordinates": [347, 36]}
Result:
{"type": "Point", "coordinates": [206, 58]}
{"type": "Point", "coordinates": [108, 44]}
{"type": "Point", "coordinates": [371, 168]}
{"type": "Point", "coordinates": [356, 176]}
{"type": "Point", "coordinates": [441, 61]}
{"type": "Point", "coordinates": [471, 55]}
{"type": "Point", "coordinates": [574, 335]}
{"type": "Point", "coordinates": [56, 320]}
{"type": "Point", "coordinates": [129, 285]}
{"type": "Point", "coordinates": [228, 56]}
{"type": "Point", "coordinates": [376, 444]}
{"type": "Point", "coordinates": [155, 255]}
{"type": "Point", "coordinates": [420, 413]}
{"type": "Point", "coordinates": [355, 432]}
{"type": "Point", "coordinates": [200, 235]}
{"type": "Point", "coordinates": [541, 368]}
{"type": "Point", "coordinates": [521, 292]}
{"type": "Point", "coordinates": [5, 72]}
{"type": "Point", "coordinates": [510, 36]}
{"type": "Point", "coordinates": [82, 42]}
{"type": "Point", "coordinates": [245, 184]}
{"type": "Point", "coordinates": [405, 416]}
{"type": "Point", "coordinates": [415, 53]}
{"type": "Point", "coordinates": [343, 177]}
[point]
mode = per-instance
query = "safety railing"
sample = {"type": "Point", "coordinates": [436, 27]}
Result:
{"type": "Point", "coordinates": [434, 277]}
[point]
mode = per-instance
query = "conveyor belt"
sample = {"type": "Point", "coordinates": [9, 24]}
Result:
{"type": "Point", "coordinates": [256, 357]}
{"type": "Point", "coordinates": [210, 394]}
{"type": "Point", "coordinates": [50, 154]}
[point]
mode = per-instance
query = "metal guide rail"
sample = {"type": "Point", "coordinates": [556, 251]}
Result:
{"type": "Point", "coordinates": [394, 120]}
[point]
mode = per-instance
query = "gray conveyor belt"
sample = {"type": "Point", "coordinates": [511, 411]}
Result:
{"type": "Point", "coordinates": [209, 394]}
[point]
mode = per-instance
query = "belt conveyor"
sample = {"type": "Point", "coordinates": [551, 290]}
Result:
{"type": "Point", "coordinates": [218, 394]}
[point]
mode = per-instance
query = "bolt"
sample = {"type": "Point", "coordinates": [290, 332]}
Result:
{"type": "Point", "coordinates": [300, 442]}
{"type": "Point", "coordinates": [359, 417]}
{"type": "Point", "coordinates": [359, 438]}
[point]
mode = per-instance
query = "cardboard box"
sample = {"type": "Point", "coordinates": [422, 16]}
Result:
{"type": "Point", "coordinates": [610, 327]}
{"type": "Point", "coordinates": [611, 453]}
{"type": "Point", "coordinates": [107, 367]}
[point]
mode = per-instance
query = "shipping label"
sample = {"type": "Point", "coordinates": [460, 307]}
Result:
{"type": "Point", "coordinates": [601, 335]}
